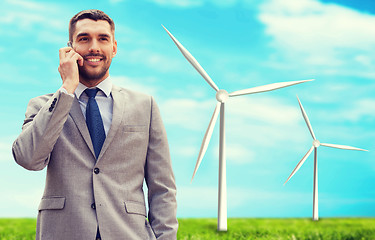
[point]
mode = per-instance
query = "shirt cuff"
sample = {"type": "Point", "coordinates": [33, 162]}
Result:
{"type": "Point", "coordinates": [63, 90]}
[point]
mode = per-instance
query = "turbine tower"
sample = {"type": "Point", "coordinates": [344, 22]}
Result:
{"type": "Point", "coordinates": [315, 145]}
{"type": "Point", "coordinates": [222, 96]}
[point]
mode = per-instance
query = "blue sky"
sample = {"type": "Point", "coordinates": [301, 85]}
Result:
{"type": "Point", "coordinates": [241, 44]}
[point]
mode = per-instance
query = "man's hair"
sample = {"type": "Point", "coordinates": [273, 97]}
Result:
{"type": "Point", "coordinates": [92, 14]}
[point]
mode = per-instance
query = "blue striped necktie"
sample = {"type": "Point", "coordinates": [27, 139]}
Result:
{"type": "Point", "coordinates": [94, 121]}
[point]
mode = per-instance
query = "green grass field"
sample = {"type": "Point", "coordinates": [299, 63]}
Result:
{"type": "Point", "coordinates": [242, 228]}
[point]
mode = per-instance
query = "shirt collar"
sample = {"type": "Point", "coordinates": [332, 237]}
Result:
{"type": "Point", "coordinates": [105, 86]}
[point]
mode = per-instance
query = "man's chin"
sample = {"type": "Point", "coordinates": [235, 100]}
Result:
{"type": "Point", "coordinates": [92, 76]}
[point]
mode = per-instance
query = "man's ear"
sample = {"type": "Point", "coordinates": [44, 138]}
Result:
{"type": "Point", "coordinates": [114, 48]}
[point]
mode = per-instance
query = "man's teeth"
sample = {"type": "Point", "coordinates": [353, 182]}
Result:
{"type": "Point", "coordinates": [93, 60]}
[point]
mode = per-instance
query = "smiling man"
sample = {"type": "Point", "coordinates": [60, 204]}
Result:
{"type": "Point", "coordinates": [99, 143]}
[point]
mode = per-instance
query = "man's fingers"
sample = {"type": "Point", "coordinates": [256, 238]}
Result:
{"type": "Point", "coordinates": [80, 60]}
{"type": "Point", "coordinates": [63, 51]}
{"type": "Point", "coordinates": [75, 56]}
{"type": "Point", "coordinates": [67, 53]}
{"type": "Point", "coordinates": [70, 54]}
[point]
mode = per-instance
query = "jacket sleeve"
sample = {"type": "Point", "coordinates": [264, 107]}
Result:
{"type": "Point", "coordinates": [160, 180]}
{"type": "Point", "coordinates": [44, 119]}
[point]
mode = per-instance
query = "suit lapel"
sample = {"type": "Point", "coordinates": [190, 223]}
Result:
{"type": "Point", "coordinates": [118, 113]}
{"type": "Point", "coordinates": [79, 119]}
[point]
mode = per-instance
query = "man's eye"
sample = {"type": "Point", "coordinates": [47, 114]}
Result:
{"type": "Point", "coordinates": [83, 39]}
{"type": "Point", "coordinates": [104, 39]}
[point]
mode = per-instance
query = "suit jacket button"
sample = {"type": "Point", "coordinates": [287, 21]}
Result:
{"type": "Point", "coordinates": [50, 109]}
{"type": "Point", "coordinates": [93, 206]}
{"type": "Point", "coordinates": [54, 100]}
{"type": "Point", "coordinates": [96, 170]}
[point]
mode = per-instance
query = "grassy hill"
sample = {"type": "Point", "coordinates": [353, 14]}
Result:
{"type": "Point", "coordinates": [296, 228]}
{"type": "Point", "coordinates": [241, 228]}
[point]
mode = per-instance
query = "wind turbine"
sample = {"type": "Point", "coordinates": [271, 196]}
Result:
{"type": "Point", "coordinates": [221, 97]}
{"type": "Point", "coordinates": [315, 146]}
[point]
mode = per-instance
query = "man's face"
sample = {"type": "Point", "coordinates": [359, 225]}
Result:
{"type": "Point", "coordinates": [94, 41]}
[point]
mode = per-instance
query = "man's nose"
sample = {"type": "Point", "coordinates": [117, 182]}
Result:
{"type": "Point", "coordinates": [94, 46]}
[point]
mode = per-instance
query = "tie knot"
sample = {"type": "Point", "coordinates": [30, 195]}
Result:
{"type": "Point", "coordinates": [91, 92]}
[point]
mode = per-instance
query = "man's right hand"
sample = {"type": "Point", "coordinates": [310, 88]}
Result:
{"type": "Point", "coordinates": [68, 68]}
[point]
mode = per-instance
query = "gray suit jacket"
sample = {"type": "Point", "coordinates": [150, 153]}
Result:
{"type": "Point", "coordinates": [82, 193]}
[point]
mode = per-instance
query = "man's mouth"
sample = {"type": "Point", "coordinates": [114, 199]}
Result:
{"type": "Point", "coordinates": [93, 59]}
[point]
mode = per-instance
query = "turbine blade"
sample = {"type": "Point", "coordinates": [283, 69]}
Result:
{"type": "Point", "coordinates": [342, 147]}
{"type": "Point", "coordinates": [266, 88]}
{"type": "Point", "coordinates": [206, 138]}
{"type": "Point", "coordinates": [193, 61]}
{"type": "Point", "coordinates": [306, 119]}
{"type": "Point", "coordinates": [300, 163]}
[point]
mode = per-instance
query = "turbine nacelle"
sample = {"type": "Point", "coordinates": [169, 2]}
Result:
{"type": "Point", "coordinates": [222, 96]}
{"type": "Point", "coordinates": [316, 143]}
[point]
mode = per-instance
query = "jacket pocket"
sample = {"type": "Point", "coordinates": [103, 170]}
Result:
{"type": "Point", "coordinates": [52, 203]}
{"type": "Point", "coordinates": [135, 208]}
{"type": "Point", "coordinates": [135, 128]}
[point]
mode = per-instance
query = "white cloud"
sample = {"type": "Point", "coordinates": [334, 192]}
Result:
{"type": "Point", "coordinates": [361, 109]}
{"type": "Point", "coordinates": [187, 113]}
{"type": "Point", "coordinates": [251, 123]}
{"type": "Point", "coordinates": [238, 196]}
{"type": "Point", "coordinates": [184, 151]}
{"type": "Point", "coordinates": [199, 3]}
{"type": "Point", "coordinates": [318, 33]}
{"type": "Point", "coordinates": [202, 201]}
{"type": "Point", "coordinates": [364, 60]}
{"type": "Point", "coordinates": [5, 151]}
{"type": "Point", "coordinates": [21, 200]}
{"type": "Point", "coordinates": [237, 154]}
{"type": "Point", "coordinates": [32, 6]}
{"type": "Point", "coordinates": [6, 148]}
{"type": "Point", "coordinates": [134, 84]}
{"type": "Point", "coordinates": [308, 24]}
{"type": "Point", "coordinates": [28, 198]}
{"type": "Point", "coordinates": [187, 197]}
{"type": "Point", "coordinates": [364, 108]}
{"type": "Point", "coordinates": [156, 61]}
{"type": "Point", "coordinates": [179, 3]}
{"type": "Point", "coordinates": [265, 109]}
{"type": "Point", "coordinates": [26, 14]}
{"type": "Point", "coordinates": [36, 54]}
{"type": "Point", "coordinates": [263, 122]}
